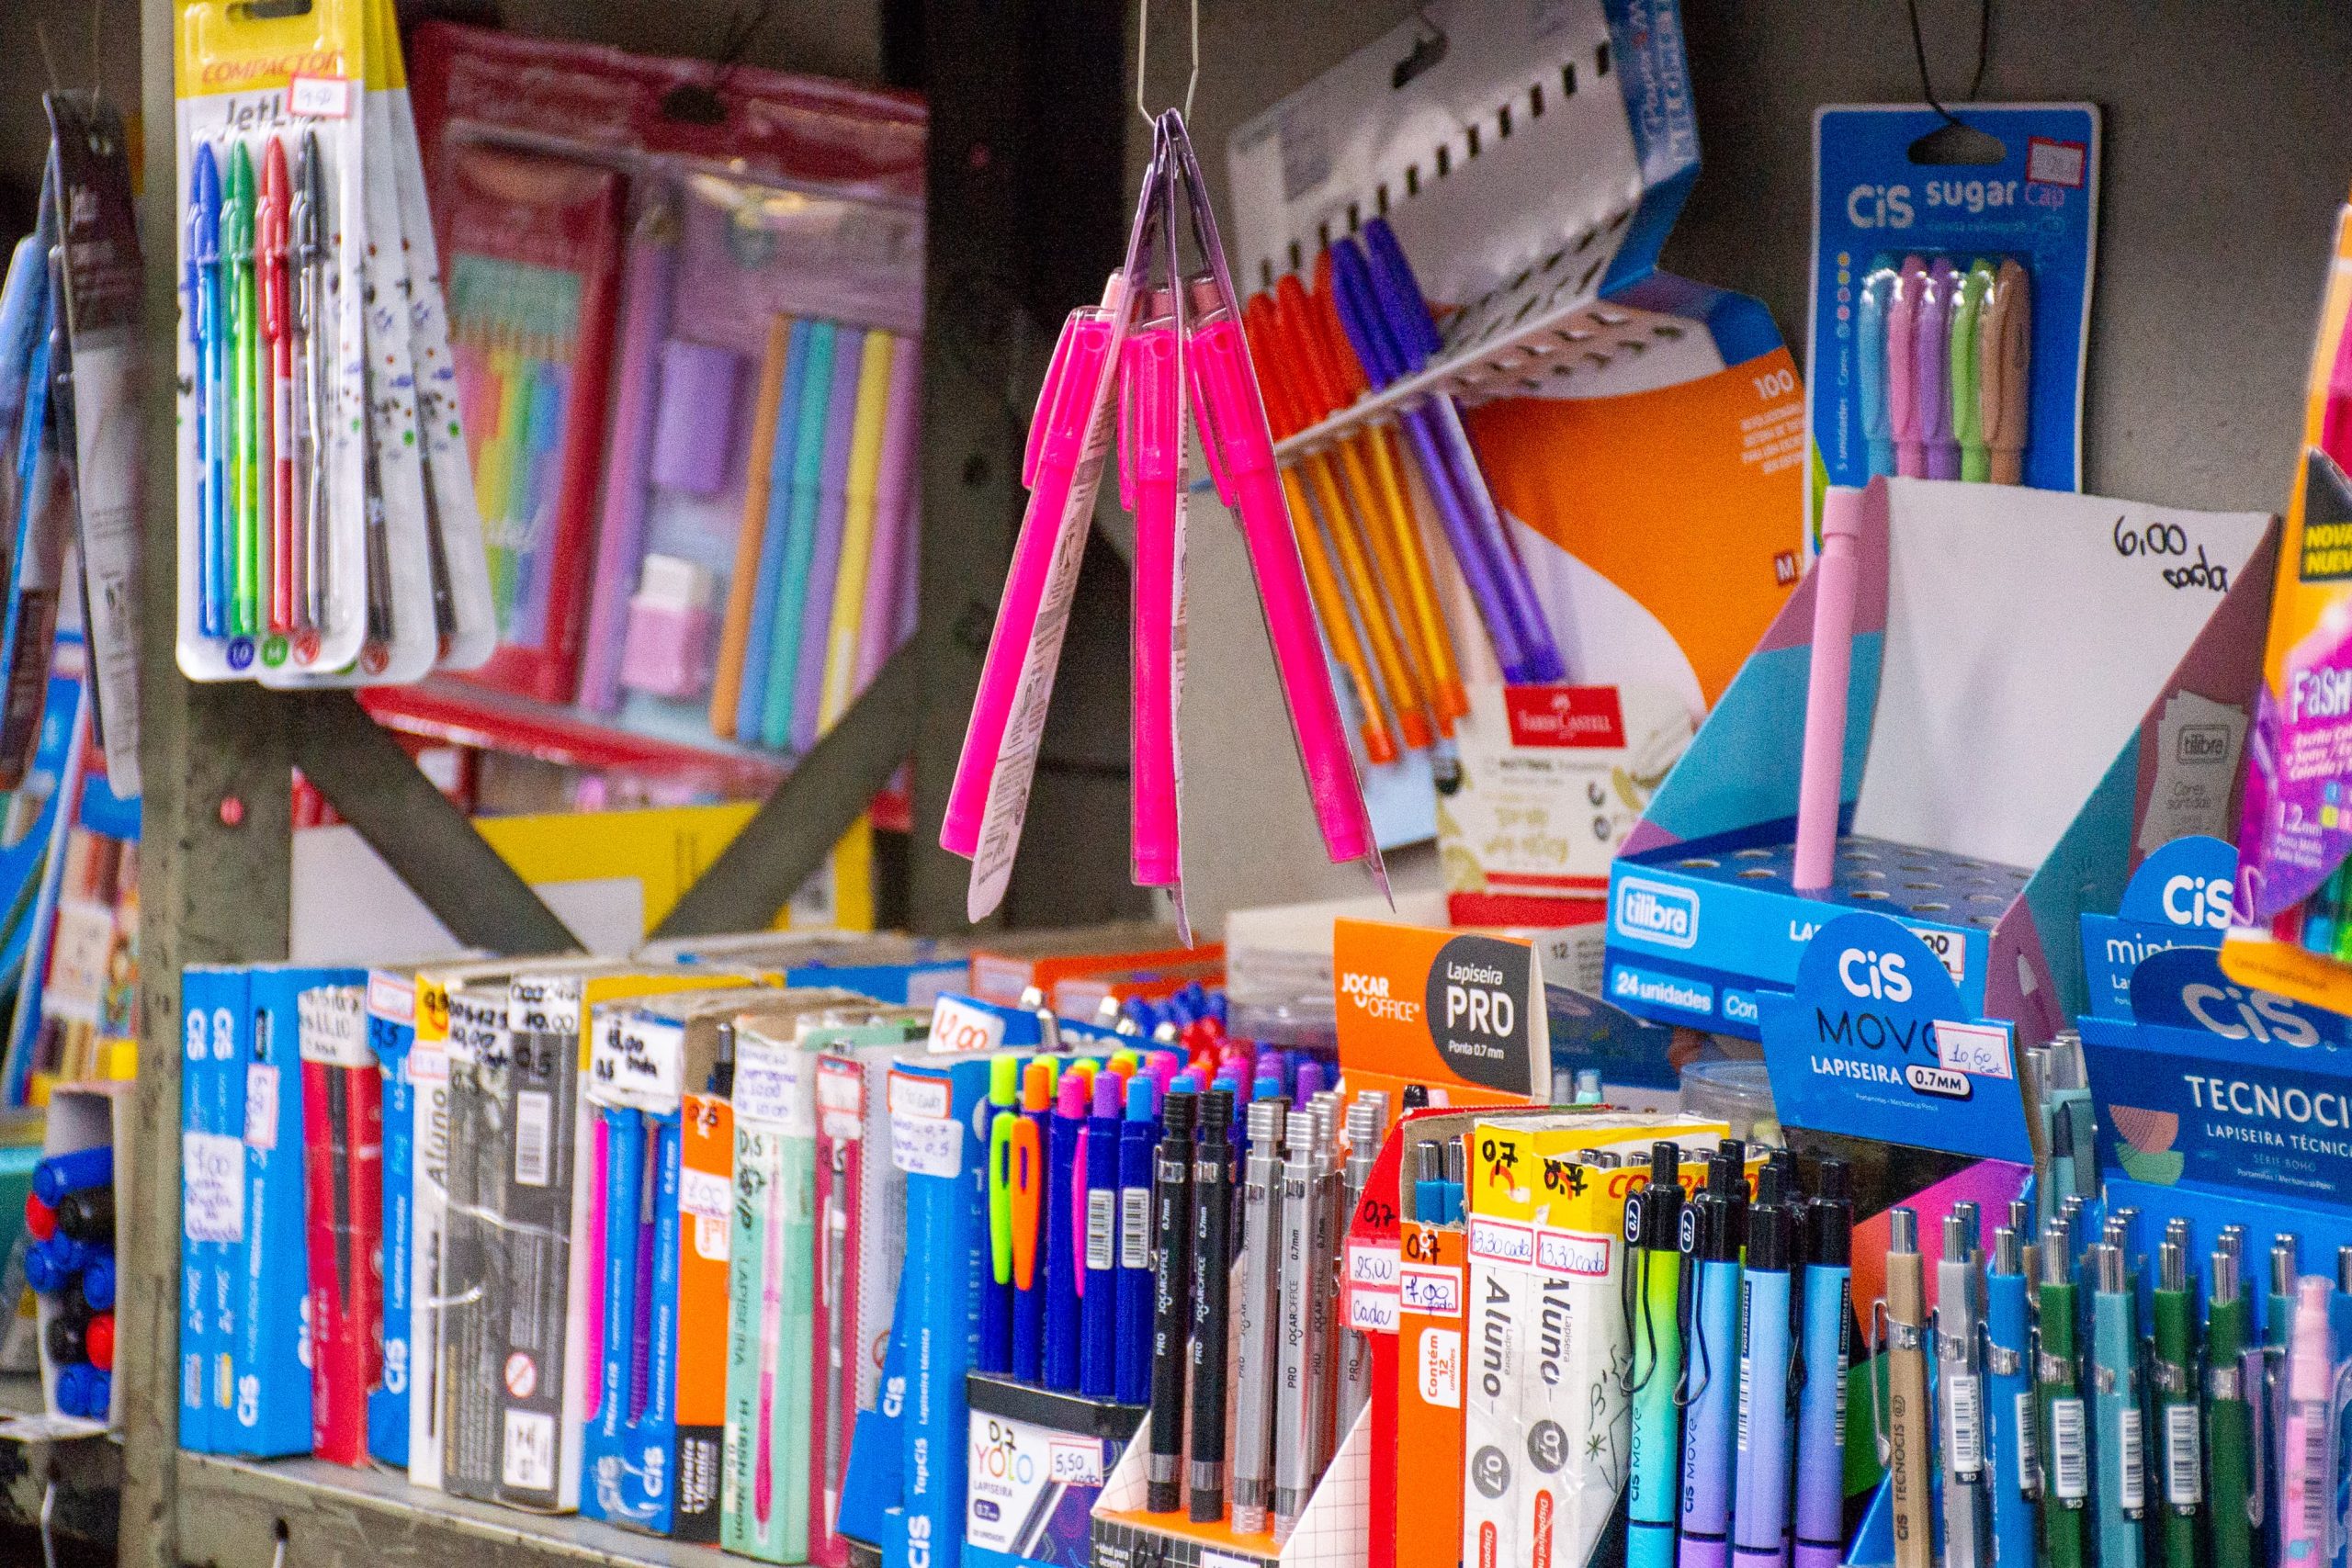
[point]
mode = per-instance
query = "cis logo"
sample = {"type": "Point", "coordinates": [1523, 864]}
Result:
{"type": "Point", "coordinates": [1877, 976]}
{"type": "Point", "coordinates": [2198, 901]}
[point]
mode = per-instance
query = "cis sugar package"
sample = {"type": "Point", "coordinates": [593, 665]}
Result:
{"type": "Point", "coordinates": [2296, 830]}
{"type": "Point", "coordinates": [327, 533]}
{"type": "Point", "coordinates": [1952, 289]}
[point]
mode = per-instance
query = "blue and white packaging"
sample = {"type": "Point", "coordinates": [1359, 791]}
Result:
{"type": "Point", "coordinates": [934, 1103]}
{"type": "Point", "coordinates": [2178, 897]}
{"type": "Point", "coordinates": [1877, 1041]}
{"type": "Point", "coordinates": [391, 1034]}
{"type": "Point", "coordinates": [214, 1014]}
{"type": "Point", "coordinates": [1884, 195]}
{"type": "Point", "coordinates": [271, 1412]}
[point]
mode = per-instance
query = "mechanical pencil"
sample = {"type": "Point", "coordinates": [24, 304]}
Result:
{"type": "Point", "coordinates": [1710, 1452]}
{"type": "Point", "coordinates": [2229, 1421]}
{"type": "Point", "coordinates": [1212, 1278]}
{"type": "Point", "coordinates": [1903, 1433]}
{"type": "Point", "coordinates": [1960, 1385]}
{"type": "Point", "coordinates": [1760, 1498]}
{"type": "Point", "coordinates": [2013, 1466]}
{"type": "Point", "coordinates": [1253, 1394]}
{"type": "Point", "coordinates": [1652, 1241]}
{"type": "Point", "coordinates": [1098, 1276]}
{"type": "Point", "coordinates": [1172, 1315]}
{"type": "Point", "coordinates": [2120, 1443]}
{"type": "Point", "coordinates": [1828, 1353]}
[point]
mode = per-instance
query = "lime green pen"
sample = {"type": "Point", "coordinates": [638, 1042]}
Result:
{"type": "Point", "coordinates": [245, 471]}
{"type": "Point", "coordinates": [1967, 415]}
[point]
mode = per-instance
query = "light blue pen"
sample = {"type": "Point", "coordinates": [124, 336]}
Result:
{"type": "Point", "coordinates": [825, 553]}
{"type": "Point", "coordinates": [2121, 1492]}
{"type": "Point", "coordinates": [792, 604]}
{"type": "Point", "coordinates": [751, 700]}
{"type": "Point", "coordinates": [1711, 1359]}
{"type": "Point", "coordinates": [1870, 367]}
{"type": "Point", "coordinates": [2015, 1461]}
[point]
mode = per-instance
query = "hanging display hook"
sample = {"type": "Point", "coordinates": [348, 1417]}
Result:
{"type": "Point", "coordinates": [1984, 51]}
{"type": "Point", "coordinates": [1143, 52]}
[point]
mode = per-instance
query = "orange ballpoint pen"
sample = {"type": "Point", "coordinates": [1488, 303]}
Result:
{"type": "Point", "coordinates": [1259, 325]}
{"type": "Point", "coordinates": [1353, 525]}
{"type": "Point", "coordinates": [1377, 450]}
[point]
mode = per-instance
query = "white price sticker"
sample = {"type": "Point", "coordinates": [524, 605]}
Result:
{"type": "Point", "coordinates": [1980, 1050]}
{"type": "Point", "coordinates": [912, 1096]}
{"type": "Point", "coordinates": [1433, 1292]}
{"type": "Point", "coordinates": [1950, 947]}
{"type": "Point", "coordinates": [544, 1004]}
{"type": "Point", "coordinates": [959, 1026]}
{"type": "Point", "coordinates": [333, 1027]}
{"type": "Point", "coordinates": [261, 1106]}
{"type": "Point", "coordinates": [212, 1192]}
{"type": "Point", "coordinates": [1074, 1461]}
{"type": "Point", "coordinates": [769, 1087]}
{"type": "Point", "coordinates": [704, 1194]}
{"type": "Point", "coordinates": [926, 1146]}
{"type": "Point", "coordinates": [641, 1063]}
{"type": "Point", "coordinates": [1372, 1311]}
{"type": "Point", "coordinates": [319, 97]}
{"type": "Point", "coordinates": [392, 997]}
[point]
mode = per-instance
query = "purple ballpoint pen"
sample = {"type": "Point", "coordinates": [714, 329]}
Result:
{"type": "Point", "coordinates": [825, 563]}
{"type": "Point", "coordinates": [1931, 366]}
{"type": "Point", "coordinates": [1360, 319]}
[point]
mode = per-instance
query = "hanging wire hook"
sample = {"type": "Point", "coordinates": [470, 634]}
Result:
{"type": "Point", "coordinates": [1143, 51]}
{"type": "Point", "coordinates": [48, 60]}
{"type": "Point", "coordinates": [1984, 51]}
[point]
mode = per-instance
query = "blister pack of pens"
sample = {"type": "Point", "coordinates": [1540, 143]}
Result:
{"type": "Point", "coordinates": [1950, 293]}
{"type": "Point", "coordinates": [301, 554]}
{"type": "Point", "coordinates": [1166, 348]}
{"type": "Point", "coordinates": [685, 313]}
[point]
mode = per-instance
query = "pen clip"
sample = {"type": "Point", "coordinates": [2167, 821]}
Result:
{"type": "Point", "coordinates": [1048, 397]}
{"type": "Point", "coordinates": [1880, 1429]}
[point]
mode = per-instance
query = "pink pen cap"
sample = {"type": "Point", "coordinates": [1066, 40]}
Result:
{"type": "Point", "coordinates": [1836, 584]}
{"type": "Point", "coordinates": [1241, 460]}
{"type": "Point", "coordinates": [1931, 368]}
{"type": "Point", "coordinates": [1058, 434]}
{"type": "Point", "coordinates": [1902, 389]}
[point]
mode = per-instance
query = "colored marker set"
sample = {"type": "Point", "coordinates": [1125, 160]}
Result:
{"type": "Point", "coordinates": [1163, 341]}
{"type": "Point", "coordinates": [69, 1215]}
{"type": "Point", "coordinates": [688, 318]}
{"type": "Point", "coordinates": [1943, 348]}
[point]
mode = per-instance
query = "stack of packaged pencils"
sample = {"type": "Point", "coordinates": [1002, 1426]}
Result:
{"type": "Point", "coordinates": [684, 314]}
{"type": "Point", "coordinates": [328, 533]}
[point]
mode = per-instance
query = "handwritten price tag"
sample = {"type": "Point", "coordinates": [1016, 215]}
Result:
{"type": "Point", "coordinates": [926, 1146]}
{"type": "Point", "coordinates": [958, 1027]}
{"type": "Point", "coordinates": [640, 1062]}
{"type": "Point", "coordinates": [1981, 1050]}
{"type": "Point", "coordinates": [212, 1193]}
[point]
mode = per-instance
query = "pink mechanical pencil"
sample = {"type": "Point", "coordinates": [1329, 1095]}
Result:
{"type": "Point", "coordinates": [1232, 419]}
{"type": "Point", "coordinates": [2307, 1486]}
{"type": "Point", "coordinates": [1057, 438]}
{"type": "Point", "coordinates": [1836, 584]}
{"type": "Point", "coordinates": [1902, 392]}
{"type": "Point", "coordinates": [1151, 451]}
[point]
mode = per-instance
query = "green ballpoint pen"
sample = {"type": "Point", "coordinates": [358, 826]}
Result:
{"type": "Point", "coordinates": [2173, 1311]}
{"type": "Point", "coordinates": [2229, 1419]}
{"type": "Point", "coordinates": [1967, 418]}
{"type": "Point", "coordinates": [245, 472]}
{"type": "Point", "coordinates": [2064, 1426]}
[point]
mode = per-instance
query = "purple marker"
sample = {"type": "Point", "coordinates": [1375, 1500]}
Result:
{"type": "Point", "coordinates": [1931, 368]}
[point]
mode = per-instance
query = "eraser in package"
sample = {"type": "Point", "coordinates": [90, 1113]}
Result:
{"type": "Point", "coordinates": [273, 408]}
{"type": "Point", "coordinates": [1952, 285]}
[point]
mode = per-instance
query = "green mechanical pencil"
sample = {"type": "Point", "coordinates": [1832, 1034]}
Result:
{"type": "Point", "coordinates": [2229, 1418]}
{"type": "Point", "coordinates": [2180, 1435]}
{"type": "Point", "coordinates": [246, 471]}
{"type": "Point", "coordinates": [2065, 1429]}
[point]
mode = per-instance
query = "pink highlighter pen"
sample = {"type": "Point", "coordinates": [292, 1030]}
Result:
{"type": "Point", "coordinates": [1058, 439]}
{"type": "Point", "coordinates": [1902, 349]}
{"type": "Point", "coordinates": [2307, 1488]}
{"type": "Point", "coordinates": [1151, 450]}
{"type": "Point", "coordinates": [1931, 368]}
{"type": "Point", "coordinates": [1240, 450]}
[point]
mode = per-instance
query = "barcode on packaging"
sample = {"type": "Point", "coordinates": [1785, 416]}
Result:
{"type": "Point", "coordinates": [1102, 1228]}
{"type": "Point", "coordinates": [1134, 1227]}
{"type": "Point", "coordinates": [1964, 1439]}
{"type": "Point", "coordinates": [2132, 1441]}
{"type": "Point", "coordinates": [534, 1117]}
{"type": "Point", "coordinates": [2184, 1456]}
{"type": "Point", "coordinates": [2070, 1469]}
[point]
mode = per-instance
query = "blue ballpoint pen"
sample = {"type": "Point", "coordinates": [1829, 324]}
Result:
{"type": "Point", "coordinates": [1870, 367]}
{"type": "Point", "coordinates": [212, 369]}
{"type": "Point", "coordinates": [1138, 1137]}
{"type": "Point", "coordinates": [1710, 1362]}
{"type": "Point", "coordinates": [1363, 323]}
{"type": "Point", "coordinates": [1057, 1256]}
{"type": "Point", "coordinates": [2122, 1482]}
{"type": "Point", "coordinates": [2016, 1460]}
{"type": "Point", "coordinates": [1099, 1269]}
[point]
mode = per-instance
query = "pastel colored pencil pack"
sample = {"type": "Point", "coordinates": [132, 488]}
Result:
{"type": "Point", "coordinates": [1952, 261]}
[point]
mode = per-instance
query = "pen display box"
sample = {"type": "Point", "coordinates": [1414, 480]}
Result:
{"type": "Point", "coordinates": [1039, 1461]}
{"type": "Point", "coordinates": [343, 1140]}
{"type": "Point", "coordinates": [754, 219]}
{"type": "Point", "coordinates": [1951, 287]}
{"type": "Point", "coordinates": [2033, 706]}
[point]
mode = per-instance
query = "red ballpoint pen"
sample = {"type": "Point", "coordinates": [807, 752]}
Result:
{"type": "Point", "coordinates": [278, 335]}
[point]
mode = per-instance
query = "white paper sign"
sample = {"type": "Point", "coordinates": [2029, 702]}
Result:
{"type": "Point", "coordinates": [212, 1189]}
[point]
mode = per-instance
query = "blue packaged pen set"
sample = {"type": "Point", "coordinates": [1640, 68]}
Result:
{"type": "Point", "coordinates": [1952, 290]}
